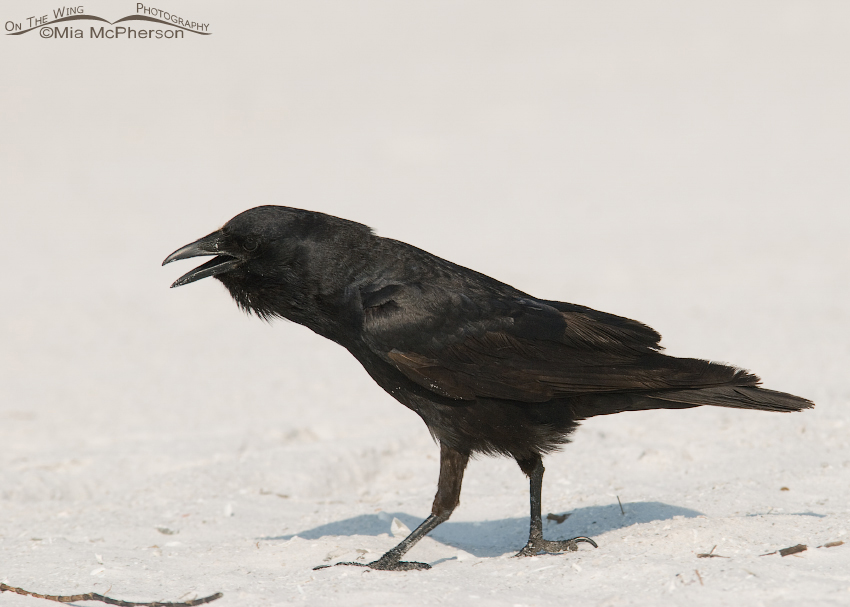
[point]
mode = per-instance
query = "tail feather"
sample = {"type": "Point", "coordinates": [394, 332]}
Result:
{"type": "Point", "coordinates": [693, 383]}
{"type": "Point", "coordinates": [738, 397]}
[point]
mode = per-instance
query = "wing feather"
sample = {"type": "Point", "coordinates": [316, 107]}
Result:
{"type": "Point", "coordinates": [522, 349]}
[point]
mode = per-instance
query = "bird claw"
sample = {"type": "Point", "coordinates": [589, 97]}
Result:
{"type": "Point", "coordinates": [383, 564]}
{"type": "Point", "coordinates": [536, 546]}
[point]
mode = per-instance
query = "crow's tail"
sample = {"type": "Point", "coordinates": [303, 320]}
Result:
{"type": "Point", "coordinates": [738, 397]}
{"type": "Point", "coordinates": [742, 392]}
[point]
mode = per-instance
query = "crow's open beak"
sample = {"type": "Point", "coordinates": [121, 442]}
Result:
{"type": "Point", "coordinates": [208, 245]}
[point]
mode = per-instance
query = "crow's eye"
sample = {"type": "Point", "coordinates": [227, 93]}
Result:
{"type": "Point", "coordinates": [250, 244]}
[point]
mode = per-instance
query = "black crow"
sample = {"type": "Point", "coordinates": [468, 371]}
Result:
{"type": "Point", "coordinates": [488, 368]}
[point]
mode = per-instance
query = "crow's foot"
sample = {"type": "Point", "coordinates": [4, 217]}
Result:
{"type": "Point", "coordinates": [538, 545]}
{"type": "Point", "coordinates": [384, 564]}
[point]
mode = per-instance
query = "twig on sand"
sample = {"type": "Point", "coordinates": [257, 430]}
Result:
{"type": "Point", "coordinates": [623, 512]}
{"type": "Point", "coordinates": [93, 596]}
{"type": "Point", "coordinates": [789, 550]}
{"type": "Point", "coordinates": [831, 544]}
{"type": "Point", "coordinates": [558, 518]}
{"type": "Point", "coordinates": [710, 554]}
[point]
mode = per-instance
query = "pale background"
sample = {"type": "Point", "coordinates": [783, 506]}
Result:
{"type": "Point", "coordinates": [685, 164]}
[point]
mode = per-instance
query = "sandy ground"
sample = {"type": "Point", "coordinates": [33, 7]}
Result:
{"type": "Point", "coordinates": [685, 166]}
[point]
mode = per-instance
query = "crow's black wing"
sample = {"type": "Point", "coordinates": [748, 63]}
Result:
{"type": "Point", "coordinates": [517, 348]}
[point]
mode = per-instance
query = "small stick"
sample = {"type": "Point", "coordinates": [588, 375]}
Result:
{"type": "Point", "coordinates": [710, 554]}
{"type": "Point", "coordinates": [787, 551]}
{"type": "Point", "coordinates": [793, 550]}
{"type": "Point", "coordinates": [623, 512]}
{"type": "Point", "coordinates": [558, 518]}
{"type": "Point", "coordinates": [93, 596]}
{"type": "Point", "coordinates": [699, 577]}
{"type": "Point", "coordinates": [831, 545]}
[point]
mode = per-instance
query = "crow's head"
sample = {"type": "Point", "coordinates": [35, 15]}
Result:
{"type": "Point", "coordinates": [270, 258]}
{"type": "Point", "coordinates": [238, 247]}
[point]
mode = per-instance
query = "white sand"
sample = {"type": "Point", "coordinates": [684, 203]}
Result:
{"type": "Point", "coordinates": [685, 166]}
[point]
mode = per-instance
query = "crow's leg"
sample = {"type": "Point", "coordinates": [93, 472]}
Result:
{"type": "Point", "coordinates": [452, 465]}
{"type": "Point", "coordinates": [533, 468]}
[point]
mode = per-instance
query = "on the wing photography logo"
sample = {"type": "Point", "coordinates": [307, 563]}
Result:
{"type": "Point", "coordinates": [146, 23]}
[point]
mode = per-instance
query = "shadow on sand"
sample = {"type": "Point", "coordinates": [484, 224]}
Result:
{"type": "Point", "coordinates": [494, 538]}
